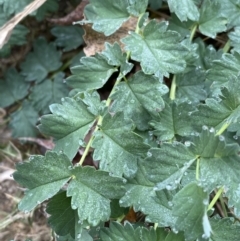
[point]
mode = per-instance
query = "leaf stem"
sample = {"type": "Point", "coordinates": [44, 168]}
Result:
{"type": "Point", "coordinates": [173, 88]}
{"type": "Point", "coordinates": [227, 46]}
{"type": "Point", "coordinates": [218, 194]}
{"type": "Point", "coordinates": [223, 128]}
{"type": "Point", "coordinates": [197, 168]}
{"type": "Point", "coordinates": [155, 226]}
{"type": "Point", "coordinates": [193, 31]}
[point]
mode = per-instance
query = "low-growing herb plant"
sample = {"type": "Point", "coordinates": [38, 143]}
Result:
{"type": "Point", "coordinates": [165, 141]}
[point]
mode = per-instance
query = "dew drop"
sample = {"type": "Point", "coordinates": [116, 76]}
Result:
{"type": "Point", "coordinates": [211, 130]}
{"type": "Point", "coordinates": [169, 187]}
{"type": "Point", "coordinates": [62, 99]}
{"type": "Point", "coordinates": [38, 202]}
{"type": "Point", "coordinates": [132, 101]}
{"type": "Point", "coordinates": [221, 138]}
{"type": "Point", "coordinates": [167, 23]}
{"type": "Point", "coordinates": [189, 113]}
{"type": "Point", "coordinates": [204, 128]}
{"type": "Point", "coordinates": [187, 143]}
{"type": "Point", "coordinates": [149, 154]}
{"type": "Point", "coordinates": [205, 202]}
{"type": "Point", "coordinates": [170, 204]}
{"type": "Point", "coordinates": [81, 142]}
{"type": "Point", "coordinates": [74, 206]}
{"type": "Point", "coordinates": [235, 137]}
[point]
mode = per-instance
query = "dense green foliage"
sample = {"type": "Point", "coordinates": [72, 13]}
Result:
{"type": "Point", "coordinates": [165, 142]}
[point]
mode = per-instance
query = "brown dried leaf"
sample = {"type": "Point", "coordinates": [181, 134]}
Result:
{"type": "Point", "coordinates": [48, 144]}
{"type": "Point", "coordinates": [95, 40]}
{"type": "Point", "coordinates": [75, 15]}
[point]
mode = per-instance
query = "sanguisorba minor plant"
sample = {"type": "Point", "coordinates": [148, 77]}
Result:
{"type": "Point", "coordinates": [166, 138]}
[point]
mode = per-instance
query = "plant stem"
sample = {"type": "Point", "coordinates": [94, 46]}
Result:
{"type": "Point", "coordinates": [197, 168]}
{"type": "Point", "coordinates": [155, 226]}
{"type": "Point", "coordinates": [223, 128]}
{"type": "Point", "coordinates": [173, 88]}
{"type": "Point", "coordinates": [218, 194]}
{"type": "Point", "coordinates": [226, 47]}
{"type": "Point", "coordinates": [193, 31]}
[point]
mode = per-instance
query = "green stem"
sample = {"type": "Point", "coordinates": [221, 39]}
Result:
{"type": "Point", "coordinates": [155, 226]}
{"type": "Point", "coordinates": [218, 194]}
{"type": "Point", "coordinates": [193, 31]}
{"type": "Point", "coordinates": [227, 46]}
{"type": "Point", "coordinates": [223, 128]}
{"type": "Point", "coordinates": [173, 88]}
{"type": "Point", "coordinates": [197, 168]}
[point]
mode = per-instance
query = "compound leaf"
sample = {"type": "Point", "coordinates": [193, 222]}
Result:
{"type": "Point", "coordinates": [142, 196]}
{"type": "Point", "coordinates": [107, 16]}
{"type": "Point", "coordinates": [43, 176]}
{"type": "Point", "coordinates": [189, 206]}
{"type": "Point", "coordinates": [234, 37]}
{"type": "Point", "coordinates": [224, 229]}
{"type": "Point", "coordinates": [137, 7]}
{"type": "Point", "coordinates": [50, 6]}
{"type": "Point", "coordinates": [48, 92]}
{"type": "Point", "coordinates": [191, 86]}
{"type": "Point", "coordinates": [117, 232]}
{"type": "Point", "coordinates": [44, 59]}
{"type": "Point", "coordinates": [12, 88]}
{"type": "Point", "coordinates": [23, 121]}
{"type": "Point", "coordinates": [211, 21]}
{"type": "Point", "coordinates": [68, 37]}
{"type": "Point", "coordinates": [138, 97]}
{"type": "Point", "coordinates": [68, 124]}
{"type": "Point", "coordinates": [223, 69]}
{"type": "Point", "coordinates": [117, 147]}
{"type": "Point", "coordinates": [116, 57]}
{"type": "Point", "coordinates": [91, 190]}
{"type": "Point", "coordinates": [92, 73]}
{"type": "Point", "coordinates": [172, 121]}
{"type": "Point", "coordinates": [220, 113]}
{"type": "Point", "coordinates": [63, 217]}
{"type": "Point", "coordinates": [159, 51]}
{"type": "Point", "coordinates": [184, 9]}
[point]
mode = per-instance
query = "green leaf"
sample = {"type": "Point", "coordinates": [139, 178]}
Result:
{"type": "Point", "coordinates": [48, 92]}
{"type": "Point", "coordinates": [159, 51]}
{"type": "Point", "coordinates": [142, 196]}
{"type": "Point", "coordinates": [91, 190]}
{"type": "Point", "coordinates": [18, 37]}
{"type": "Point", "coordinates": [50, 6]}
{"type": "Point", "coordinates": [138, 97]}
{"type": "Point", "coordinates": [177, 25]}
{"type": "Point", "coordinates": [115, 57]}
{"type": "Point", "coordinates": [222, 70]}
{"type": "Point", "coordinates": [68, 124]}
{"type": "Point", "coordinates": [137, 7]}
{"type": "Point", "coordinates": [234, 37]}
{"type": "Point", "coordinates": [68, 37]}
{"type": "Point", "coordinates": [230, 10]}
{"type": "Point", "coordinates": [155, 4]}
{"type": "Point", "coordinates": [220, 113]}
{"type": "Point", "coordinates": [23, 121]}
{"type": "Point", "coordinates": [107, 16]}
{"type": "Point", "coordinates": [211, 20]}
{"type": "Point", "coordinates": [92, 73]}
{"type": "Point", "coordinates": [224, 229]}
{"type": "Point", "coordinates": [63, 217]}
{"type": "Point", "coordinates": [117, 147]}
{"type": "Point", "coordinates": [189, 206]}
{"type": "Point", "coordinates": [166, 166]}
{"type": "Point", "coordinates": [44, 59]}
{"type": "Point", "coordinates": [172, 121]}
{"type": "Point", "coordinates": [43, 176]}
{"type": "Point", "coordinates": [191, 86]}
{"type": "Point", "coordinates": [184, 9]}
{"type": "Point", "coordinates": [12, 88]}
{"type": "Point", "coordinates": [11, 6]}
{"type": "Point", "coordinates": [118, 232]}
